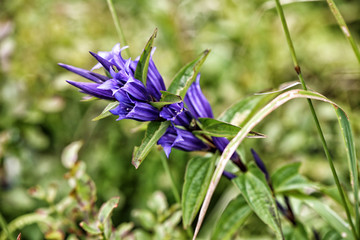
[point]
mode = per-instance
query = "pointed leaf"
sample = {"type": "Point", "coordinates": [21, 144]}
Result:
{"type": "Point", "coordinates": [218, 128]}
{"type": "Point", "coordinates": [258, 195]}
{"type": "Point", "coordinates": [153, 133]}
{"type": "Point", "coordinates": [197, 179]}
{"type": "Point", "coordinates": [288, 178]}
{"type": "Point", "coordinates": [166, 99]}
{"type": "Point", "coordinates": [106, 112]}
{"type": "Point", "coordinates": [187, 75]}
{"type": "Point", "coordinates": [235, 214]}
{"type": "Point", "coordinates": [92, 230]}
{"type": "Point", "coordinates": [107, 208]}
{"type": "Point", "coordinates": [143, 64]}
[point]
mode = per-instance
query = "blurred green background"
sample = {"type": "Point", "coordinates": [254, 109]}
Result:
{"type": "Point", "coordinates": [41, 113]}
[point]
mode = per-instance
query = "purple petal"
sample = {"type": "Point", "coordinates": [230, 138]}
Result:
{"type": "Point", "coordinates": [260, 164]}
{"type": "Point", "coordinates": [92, 89]}
{"type": "Point", "coordinates": [171, 111]}
{"type": "Point", "coordinates": [105, 63]}
{"type": "Point", "coordinates": [143, 112]}
{"type": "Point", "coordinates": [111, 84]}
{"type": "Point", "coordinates": [84, 73]}
{"type": "Point", "coordinates": [183, 119]}
{"type": "Point", "coordinates": [154, 82]}
{"type": "Point", "coordinates": [180, 139]}
{"type": "Point", "coordinates": [196, 101]}
{"type": "Point", "coordinates": [136, 89]}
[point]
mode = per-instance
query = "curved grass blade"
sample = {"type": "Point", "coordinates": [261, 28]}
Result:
{"type": "Point", "coordinates": [328, 215]}
{"type": "Point", "coordinates": [187, 75]}
{"type": "Point", "coordinates": [352, 161]}
{"type": "Point", "coordinates": [233, 145]}
{"type": "Point", "coordinates": [344, 28]}
{"type": "Point", "coordinates": [197, 179]}
{"type": "Point", "coordinates": [153, 133]}
{"type": "Point", "coordinates": [239, 113]}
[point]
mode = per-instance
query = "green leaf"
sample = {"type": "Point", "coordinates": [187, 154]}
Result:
{"type": "Point", "coordinates": [107, 208]}
{"type": "Point", "coordinates": [232, 218]}
{"type": "Point", "coordinates": [89, 228]}
{"type": "Point", "coordinates": [288, 178]}
{"type": "Point", "coordinates": [218, 128]}
{"type": "Point", "coordinates": [258, 195]}
{"type": "Point", "coordinates": [106, 112]}
{"type": "Point", "coordinates": [197, 179]}
{"type": "Point", "coordinates": [240, 112]}
{"type": "Point", "coordinates": [145, 218]}
{"type": "Point", "coordinates": [143, 64]}
{"type": "Point", "coordinates": [328, 215]}
{"type": "Point", "coordinates": [70, 154]}
{"type": "Point", "coordinates": [166, 98]}
{"type": "Point", "coordinates": [351, 156]}
{"type": "Point", "coordinates": [187, 75]}
{"type": "Point", "coordinates": [297, 232]}
{"type": "Point", "coordinates": [153, 133]}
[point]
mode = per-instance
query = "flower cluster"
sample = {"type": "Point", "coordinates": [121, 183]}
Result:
{"type": "Point", "coordinates": [135, 100]}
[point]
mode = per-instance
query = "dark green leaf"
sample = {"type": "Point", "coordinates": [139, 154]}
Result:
{"type": "Point", "coordinates": [106, 112]}
{"type": "Point", "coordinates": [257, 193]}
{"type": "Point", "coordinates": [197, 178]}
{"type": "Point", "coordinates": [288, 178]}
{"type": "Point", "coordinates": [153, 133]}
{"type": "Point", "coordinates": [187, 75]}
{"type": "Point", "coordinates": [143, 64]}
{"type": "Point", "coordinates": [166, 98]}
{"type": "Point", "coordinates": [218, 128]}
{"type": "Point", "coordinates": [232, 218]}
{"type": "Point", "coordinates": [297, 232]}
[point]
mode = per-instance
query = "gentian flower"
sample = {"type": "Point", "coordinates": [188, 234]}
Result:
{"type": "Point", "coordinates": [121, 85]}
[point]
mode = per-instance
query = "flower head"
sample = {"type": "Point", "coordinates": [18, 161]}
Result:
{"type": "Point", "coordinates": [121, 85]}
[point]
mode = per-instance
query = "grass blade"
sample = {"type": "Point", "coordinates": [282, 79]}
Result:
{"type": "Point", "coordinates": [233, 145]}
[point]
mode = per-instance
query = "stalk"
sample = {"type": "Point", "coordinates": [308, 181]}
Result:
{"type": "Point", "coordinates": [173, 187]}
{"type": "Point", "coordinates": [344, 28]}
{"type": "Point", "coordinates": [317, 123]}
{"type": "Point", "coordinates": [118, 28]}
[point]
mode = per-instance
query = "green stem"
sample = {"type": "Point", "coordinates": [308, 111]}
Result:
{"type": "Point", "coordinates": [173, 187]}
{"type": "Point", "coordinates": [317, 123]}
{"type": "Point", "coordinates": [5, 228]}
{"type": "Point", "coordinates": [118, 26]}
{"type": "Point", "coordinates": [342, 24]}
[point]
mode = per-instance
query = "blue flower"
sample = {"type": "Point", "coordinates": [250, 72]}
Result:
{"type": "Point", "coordinates": [181, 139]}
{"type": "Point", "coordinates": [121, 85]}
